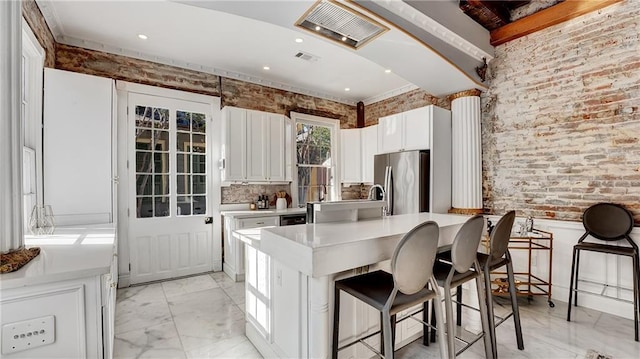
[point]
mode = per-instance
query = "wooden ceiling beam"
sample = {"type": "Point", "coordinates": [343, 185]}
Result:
{"type": "Point", "coordinates": [553, 15]}
{"type": "Point", "coordinates": [490, 14]}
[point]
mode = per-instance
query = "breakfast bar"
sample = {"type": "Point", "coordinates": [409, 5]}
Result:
{"type": "Point", "coordinates": [290, 275]}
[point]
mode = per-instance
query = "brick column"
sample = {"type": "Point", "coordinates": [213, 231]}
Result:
{"type": "Point", "coordinates": [466, 153]}
{"type": "Point", "coordinates": [11, 136]}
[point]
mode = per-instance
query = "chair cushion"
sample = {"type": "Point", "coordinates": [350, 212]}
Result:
{"type": "Point", "coordinates": [606, 248]}
{"type": "Point", "coordinates": [441, 271]}
{"type": "Point", "coordinates": [374, 289]}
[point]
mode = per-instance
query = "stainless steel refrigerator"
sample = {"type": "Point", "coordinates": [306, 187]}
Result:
{"type": "Point", "coordinates": [405, 178]}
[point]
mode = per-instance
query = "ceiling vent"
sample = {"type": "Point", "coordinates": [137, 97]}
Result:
{"type": "Point", "coordinates": [307, 56]}
{"type": "Point", "coordinates": [340, 24]}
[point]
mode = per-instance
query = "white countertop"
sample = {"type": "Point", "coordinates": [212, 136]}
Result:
{"type": "Point", "coordinates": [69, 253]}
{"type": "Point", "coordinates": [262, 212]}
{"type": "Point", "coordinates": [322, 249]}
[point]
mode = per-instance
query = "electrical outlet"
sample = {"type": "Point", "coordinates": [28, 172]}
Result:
{"type": "Point", "coordinates": [28, 334]}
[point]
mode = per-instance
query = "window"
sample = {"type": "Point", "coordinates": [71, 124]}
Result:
{"type": "Point", "coordinates": [31, 116]}
{"type": "Point", "coordinates": [315, 150]}
{"type": "Point", "coordinates": [191, 160]}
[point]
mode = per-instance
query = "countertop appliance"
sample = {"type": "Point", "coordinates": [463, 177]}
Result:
{"type": "Point", "coordinates": [405, 178]}
{"type": "Point", "coordinates": [293, 219]}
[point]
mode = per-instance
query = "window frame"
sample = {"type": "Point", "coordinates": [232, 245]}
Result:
{"type": "Point", "coordinates": [334, 127]}
{"type": "Point", "coordinates": [32, 74]}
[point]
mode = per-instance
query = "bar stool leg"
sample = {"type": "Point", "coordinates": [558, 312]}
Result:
{"type": "Point", "coordinates": [336, 323]}
{"type": "Point", "coordinates": [490, 348]}
{"type": "Point", "coordinates": [434, 320]}
{"type": "Point", "coordinates": [425, 328]}
{"type": "Point", "coordinates": [388, 334]}
{"type": "Point", "coordinates": [514, 305]}
{"type": "Point", "coordinates": [489, 304]}
{"type": "Point", "coordinates": [451, 334]}
{"type": "Point", "coordinates": [436, 306]}
{"type": "Point", "coordinates": [636, 266]}
{"type": "Point", "coordinates": [573, 277]}
{"type": "Point", "coordinates": [459, 306]}
{"type": "Point", "coordinates": [575, 292]}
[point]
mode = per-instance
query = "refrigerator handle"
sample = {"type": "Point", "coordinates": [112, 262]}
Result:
{"type": "Point", "coordinates": [388, 190]}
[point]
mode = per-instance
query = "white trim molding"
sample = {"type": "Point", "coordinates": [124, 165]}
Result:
{"type": "Point", "coordinates": [423, 21]}
{"type": "Point", "coordinates": [389, 94]}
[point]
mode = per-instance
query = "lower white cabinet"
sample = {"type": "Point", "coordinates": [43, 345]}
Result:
{"type": "Point", "coordinates": [83, 310]}
{"type": "Point", "coordinates": [234, 249]}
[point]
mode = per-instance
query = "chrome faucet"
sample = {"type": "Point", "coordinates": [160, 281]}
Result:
{"type": "Point", "coordinates": [370, 196]}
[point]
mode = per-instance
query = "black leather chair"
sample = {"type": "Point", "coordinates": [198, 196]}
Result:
{"type": "Point", "coordinates": [607, 222]}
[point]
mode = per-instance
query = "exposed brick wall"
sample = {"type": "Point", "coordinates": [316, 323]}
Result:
{"type": "Point", "coordinates": [401, 103]}
{"type": "Point", "coordinates": [561, 120]}
{"type": "Point", "coordinates": [32, 15]}
{"type": "Point", "coordinates": [118, 67]}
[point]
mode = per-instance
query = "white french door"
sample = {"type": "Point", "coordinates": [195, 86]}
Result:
{"type": "Point", "coordinates": [169, 179]}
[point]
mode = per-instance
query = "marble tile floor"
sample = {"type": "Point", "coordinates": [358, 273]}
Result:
{"type": "Point", "coordinates": [203, 317]}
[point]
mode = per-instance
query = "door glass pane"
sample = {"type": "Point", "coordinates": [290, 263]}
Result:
{"type": "Point", "coordinates": [183, 163]}
{"type": "Point", "coordinates": [184, 142]}
{"type": "Point", "coordinates": [184, 184]}
{"type": "Point", "coordinates": [152, 161]}
{"type": "Point", "coordinates": [184, 205]}
{"type": "Point", "coordinates": [161, 206]}
{"type": "Point", "coordinates": [191, 158]}
{"type": "Point", "coordinates": [143, 184]}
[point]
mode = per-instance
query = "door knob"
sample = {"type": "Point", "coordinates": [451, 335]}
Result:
{"type": "Point", "coordinates": [208, 220]}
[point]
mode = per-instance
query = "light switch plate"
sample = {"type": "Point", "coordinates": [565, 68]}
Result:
{"type": "Point", "coordinates": [28, 334]}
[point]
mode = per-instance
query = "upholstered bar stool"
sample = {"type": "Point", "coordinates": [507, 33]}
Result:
{"type": "Point", "coordinates": [607, 222]}
{"type": "Point", "coordinates": [498, 257]}
{"type": "Point", "coordinates": [410, 283]}
{"type": "Point", "coordinates": [460, 267]}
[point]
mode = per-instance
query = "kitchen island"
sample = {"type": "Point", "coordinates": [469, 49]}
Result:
{"type": "Point", "coordinates": [290, 276]}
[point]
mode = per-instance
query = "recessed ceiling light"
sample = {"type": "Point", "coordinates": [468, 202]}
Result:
{"type": "Point", "coordinates": [299, 40]}
{"type": "Point", "coordinates": [318, 28]}
{"type": "Point", "coordinates": [266, 68]}
{"type": "Point", "coordinates": [344, 38]}
{"type": "Point", "coordinates": [347, 89]}
{"type": "Point", "coordinates": [142, 36]}
{"type": "Point", "coordinates": [387, 71]}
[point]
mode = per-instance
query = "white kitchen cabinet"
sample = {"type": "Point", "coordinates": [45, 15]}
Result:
{"type": "Point", "coordinates": [78, 152]}
{"type": "Point", "coordinates": [234, 249]}
{"type": "Point", "coordinates": [410, 130]}
{"type": "Point", "coordinates": [358, 147]}
{"type": "Point", "coordinates": [369, 150]}
{"type": "Point", "coordinates": [253, 146]}
{"type": "Point", "coordinates": [351, 155]}
{"type": "Point", "coordinates": [234, 144]}
{"type": "Point", "coordinates": [286, 310]}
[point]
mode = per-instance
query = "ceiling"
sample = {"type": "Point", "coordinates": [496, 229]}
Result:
{"type": "Point", "coordinates": [237, 39]}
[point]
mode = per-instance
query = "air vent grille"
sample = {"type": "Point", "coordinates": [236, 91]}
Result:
{"type": "Point", "coordinates": [339, 23]}
{"type": "Point", "coordinates": [307, 56]}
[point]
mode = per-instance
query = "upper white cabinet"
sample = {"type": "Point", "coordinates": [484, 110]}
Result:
{"type": "Point", "coordinates": [410, 130]}
{"type": "Point", "coordinates": [253, 146]}
{"type": "Point", "coordinates": [358, 146]}
{"type": "Point", "coordinates": [369, 150]}
{"type": "Point", "coordinates": [351, 158]}
{"type": "Point", "coordinates": [78, 136]}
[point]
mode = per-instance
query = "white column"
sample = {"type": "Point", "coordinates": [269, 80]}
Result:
{"type": "Point", "coordinates": [466, 152]}
{"type": "Point", "coordinates": [11, 136]}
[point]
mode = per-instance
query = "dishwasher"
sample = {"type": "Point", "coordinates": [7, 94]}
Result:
{"type": "Point", "coordinates": [293, 219]}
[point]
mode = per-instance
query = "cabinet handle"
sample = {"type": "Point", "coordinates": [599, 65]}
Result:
{"type": "Point", "coordinates": [221, 164]}
{"type": "Point", "coordinates": [259, 222]}
{"type": "Point", "coordinates": [113, 285]}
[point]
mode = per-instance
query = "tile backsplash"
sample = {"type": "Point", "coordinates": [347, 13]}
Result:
{"type": "Point", "coordinates": [237, 193]}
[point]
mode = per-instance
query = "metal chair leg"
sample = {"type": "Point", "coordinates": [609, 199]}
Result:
{"type": "Point", "coordinates": [459, 306]}
{"type": "Point", "coordinates": [425, 328]}
{"type": "Point", "coordinates": [489, 304]}
{"type": "Point", "coordinates": [439, 317]}
{"type": "Point", "coordinates": [573, 276]}
{"type": "Point", "coordinates": [336, 323]}
{"type": "Point", "coordinates": [434, 321]}
{"type": "Point", "coordinates": [514, 305]}
{"type": "Point", "coordinates": [575, 292]}
{"type": "Point", "coordinates": [451, 334]}
{"type": "Point", "coordinates": [388, 341]}
{"type": "Point", "coordinates": [490, 348]}
{"type": "Point", "coordinates": [636, 294]}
